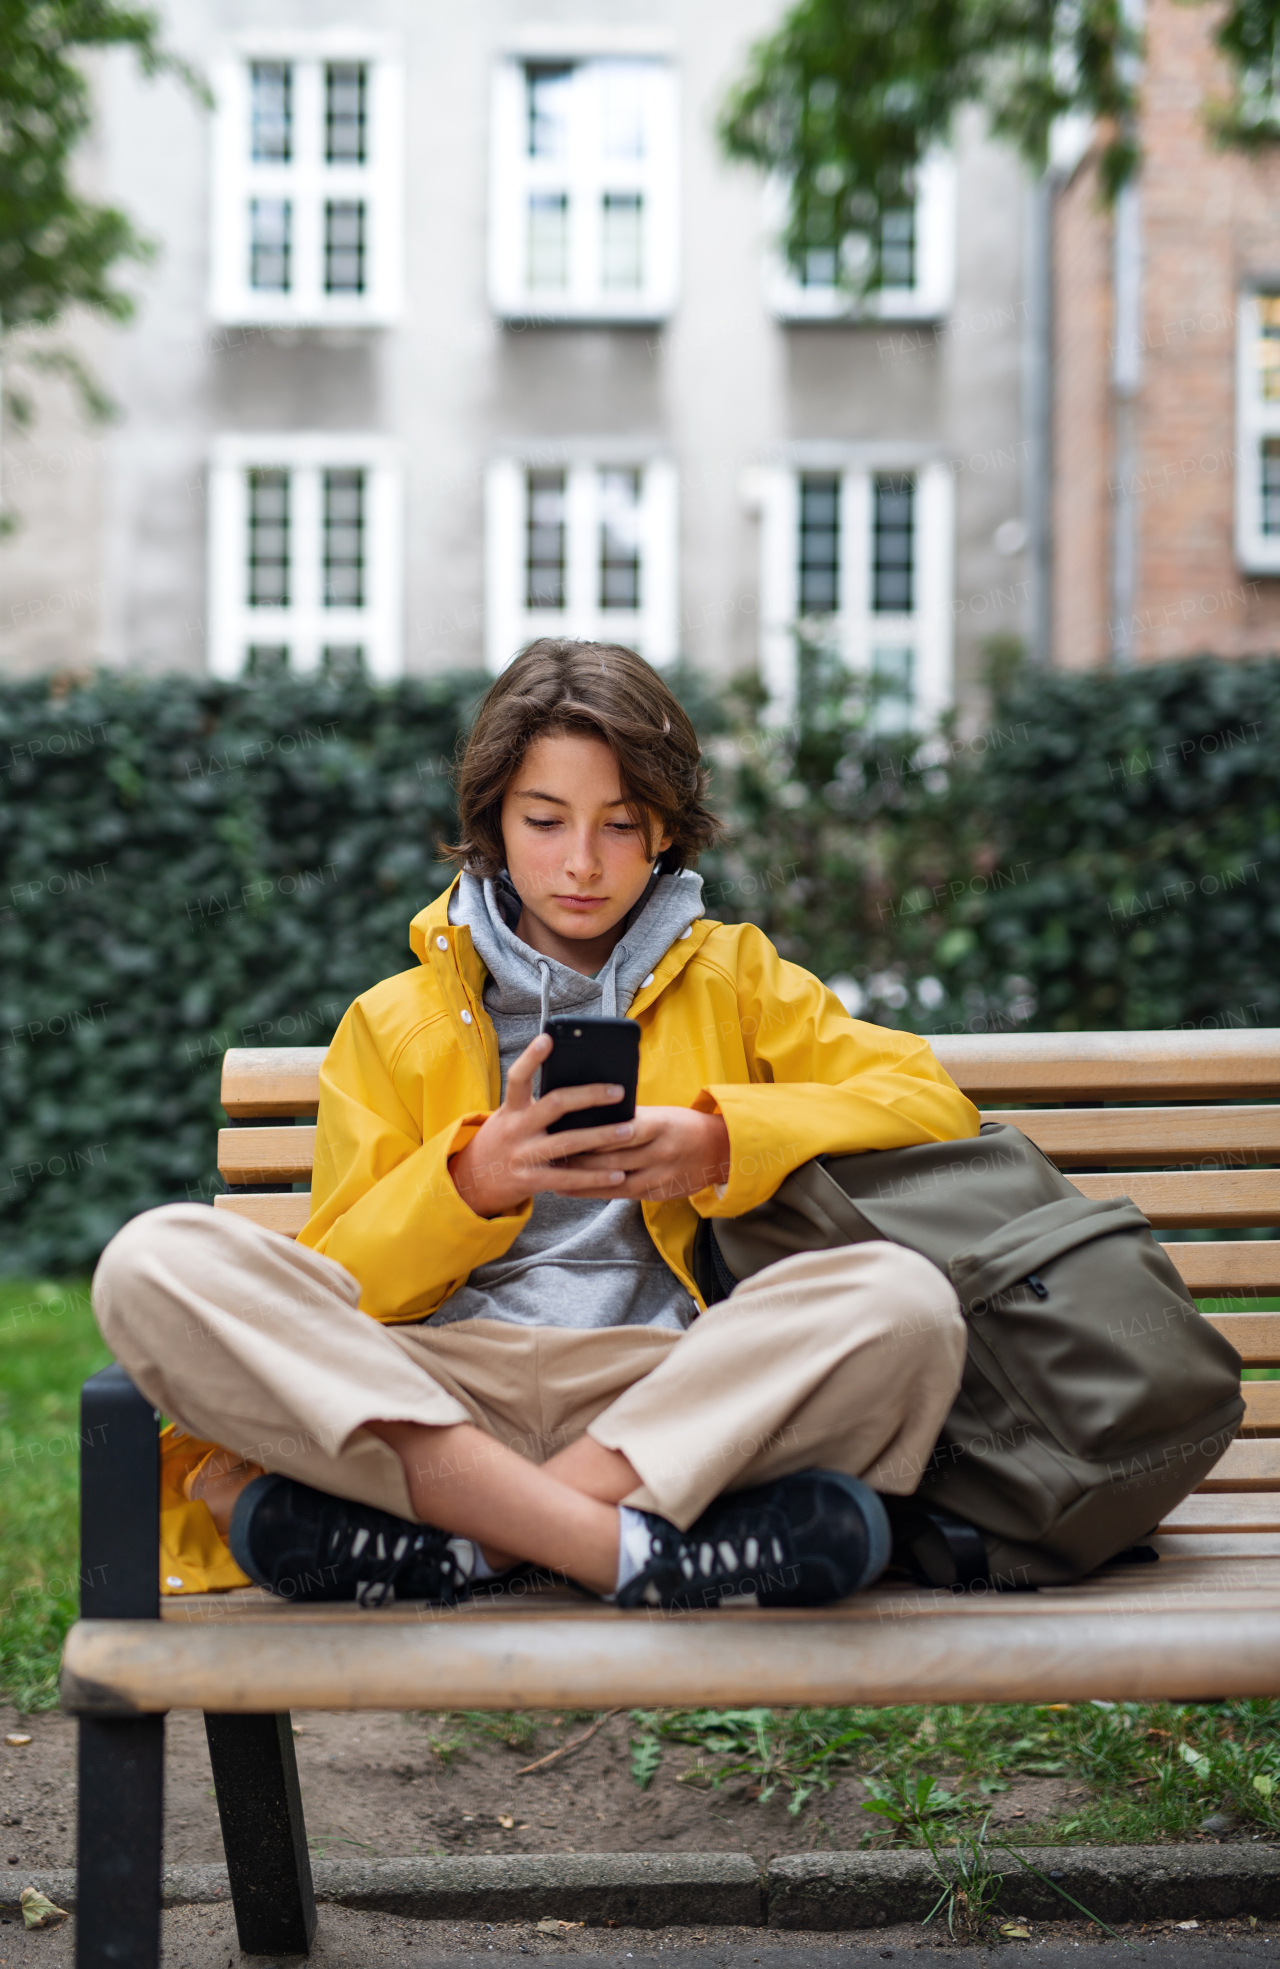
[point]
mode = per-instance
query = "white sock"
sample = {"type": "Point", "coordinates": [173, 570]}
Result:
{"type": "Point", "coordinates": [472, 1560]}
{"type": "Point", "coordinates": [635, 1543]}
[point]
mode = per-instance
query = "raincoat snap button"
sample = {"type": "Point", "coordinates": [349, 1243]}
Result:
{"type": "Point", "coordinates": [442, 943]}
{"type": "Point", "coordinates": [466, 1018]}
{"type": "Point", "coordinates": [648, 981]}
{"type": "Point", "coordinates": [686, 933]}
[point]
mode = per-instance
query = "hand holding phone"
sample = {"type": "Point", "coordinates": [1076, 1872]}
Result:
{"type": "Point", "coordinates": [587, 1051]}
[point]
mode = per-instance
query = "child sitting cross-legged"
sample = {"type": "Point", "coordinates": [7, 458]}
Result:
{"type": "Point", "coordinates": [489, 1347]}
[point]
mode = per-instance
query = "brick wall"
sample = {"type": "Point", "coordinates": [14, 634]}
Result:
{"type": "Point", "coordinates": [1210, 223]}
{"type": "Point", "coordinates": [1082, 433]}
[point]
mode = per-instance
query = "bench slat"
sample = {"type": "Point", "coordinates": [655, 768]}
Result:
{"type": "Point", "coordinates": [266, 1155]}
{"type": "Point", "coordinates": [1261, 1406]}
{"type": "Point", "coordinates": [1117, 1066]}
{"type": "Point", "coordinates": [1194, 1199]}
{"type": "Point", "coordinates": [1252, 1581]}
{"type": "Point", "coordinates": [1247, 1466]}
{"type": "Point", "coordinates": [1160, 1135]}
{"type": "Point", "coordinates": [1167, 1135]}
{"type": "Point", "coordinates": [1203, 1512]}
{"type": "Point", "coordinates": [1010, 1066]}
{"type": "Point", "coordinates": [1255, 1336]}
{"type": "Point", "coordinates": [267, 1080]}
{"type": "Point", "coordinates": [286, 1214]}
{"type": "Point", "coordinates": [1232, 1268]}
{"type": "Point", "coordinates": [501, 1662]}
{"type": "Point", "coordinates": [1174, 1200]}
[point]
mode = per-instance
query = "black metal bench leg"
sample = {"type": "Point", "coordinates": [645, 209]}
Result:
{"type": "Point", "coordinates": [255, 1775]}
{"type": "Point", "coordinates": [119, 1834]}
{"type": "Point", "coordinates": [120, 1818]}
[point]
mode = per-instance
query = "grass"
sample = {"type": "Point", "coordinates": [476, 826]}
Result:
{"type": "Point", "coordinates": [1141, 1772]}
{"type": "Point", "coordinates": [48, 1344]}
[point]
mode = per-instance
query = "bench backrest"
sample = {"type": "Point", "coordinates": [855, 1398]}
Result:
{"type": "Point", "coordinates": [1185, 1123]}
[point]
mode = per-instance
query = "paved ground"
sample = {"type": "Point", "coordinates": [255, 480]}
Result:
{"type": "Point", "coordinates": [204, 1938]}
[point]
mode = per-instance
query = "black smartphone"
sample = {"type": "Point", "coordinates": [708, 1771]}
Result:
{"type": "Point", "coordinates": [585, 1050]}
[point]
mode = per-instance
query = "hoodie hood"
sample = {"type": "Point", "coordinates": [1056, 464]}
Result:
{"type": "Point", "coordinates": [524, 988]}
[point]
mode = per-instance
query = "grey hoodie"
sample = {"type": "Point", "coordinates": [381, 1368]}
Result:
{"type": "Point", "coordinates": [577, 1262]}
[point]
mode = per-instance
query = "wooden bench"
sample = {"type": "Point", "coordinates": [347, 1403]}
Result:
{"type": "Point", "coordinates": [1187, 1124]}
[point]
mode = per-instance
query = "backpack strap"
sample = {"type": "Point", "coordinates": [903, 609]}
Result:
{"type": "Point", "coordinates": [935, 1547]}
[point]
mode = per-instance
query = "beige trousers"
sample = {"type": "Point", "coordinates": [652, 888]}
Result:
{"type": "Point", "coordinates": [847, 1360]}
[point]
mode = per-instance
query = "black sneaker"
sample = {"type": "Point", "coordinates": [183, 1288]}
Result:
{"type": "Point", "coordinates": [306, 1545]}
{"type": "Point", "coordinates": [801, 1541]}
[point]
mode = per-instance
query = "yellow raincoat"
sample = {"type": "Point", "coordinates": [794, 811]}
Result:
{"type": "Point", "coordinates": [725, 1025]}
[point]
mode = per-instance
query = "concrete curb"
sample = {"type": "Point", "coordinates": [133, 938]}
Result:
{"type": "Point", "coordinates": [636, 1890]}
{"type": "Point", "coordinates": [808, 1891]}
{"type": "Point", "coordinates": [1117, 1883]}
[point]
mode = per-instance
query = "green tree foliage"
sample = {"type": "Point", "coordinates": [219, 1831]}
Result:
{"type": "Point", "coordinates": [1104, 853]}
{"type": "Point", "coordinates": [1248, 34]}
{"type": "Point", "coordinates": [187, 865]}
{"type": "Point", "coordinates": [846, 97]}
{"type": "Point", "coordinates": [58, 248]}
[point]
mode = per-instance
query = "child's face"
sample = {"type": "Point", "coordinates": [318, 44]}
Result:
{"type": "Point", "coordinates": [577, 859]}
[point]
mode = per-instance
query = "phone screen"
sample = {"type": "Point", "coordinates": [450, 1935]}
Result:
{"type": "Point", "coordinates": [584, 1050]}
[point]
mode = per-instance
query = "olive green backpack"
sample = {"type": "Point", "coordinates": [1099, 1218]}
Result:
{"type": "Point", "coordinates": [1094, 1395]}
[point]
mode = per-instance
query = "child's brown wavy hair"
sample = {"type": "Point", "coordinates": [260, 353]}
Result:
{"type": "Point", "coordinates": [603, 691]}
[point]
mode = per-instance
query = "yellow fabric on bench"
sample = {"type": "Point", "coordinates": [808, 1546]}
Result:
{"type": "Point", "coordinates": [193, 1557]}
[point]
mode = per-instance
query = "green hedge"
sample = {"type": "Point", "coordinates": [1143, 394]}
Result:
{"type": "Point", "coordinates": [1103, 852]}
{"type": "Point", "coordinates": [188, 865]}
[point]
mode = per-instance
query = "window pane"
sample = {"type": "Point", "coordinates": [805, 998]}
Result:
{"type": "Point", "coordinates": [345, 112]}
{"type": "Point", "coordinates": [818, 269]}
{"type": "Point", "coordinates": [547, 100]}
{"type": "Point", "coordinates": [268, 539]}
{"type": "Point", "coordinates": [544, 540]}
{"type": "Point", "coordinates": [893, 687]}
{"type": "Point", "coordinates": [344, 539]}
{"type": "Point", "coordinates": [548, 242]}
{"type": "Point", "coordinates": [898, 246]}
{"type": "Point", "coordinates": [622, 102]}
{"type": "Point", "coordinates": [1271, 485]}
{"type": "Point", "coordinates": [270, 244]}
{"type": "Point", "coordinates": [622, 252]}
{"type": "Point", "coordinates": [271, 112]}
{"type": "Point", "coordinates": [265, 657]}
{"type": "Point", "coordinates": [819, 543]}
{"type": "Point", "coordinates": [893, 547]}
{"type": "Point", "coordinates": [619, 539]}
{"type": "Point", "coordinates": [343, 659]}
{"type": "Point", "coordinates": [344, 241]}
{"type": "Point", "coordinates": [1268, 346]}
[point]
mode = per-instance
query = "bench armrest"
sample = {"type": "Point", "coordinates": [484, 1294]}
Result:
{"type": "Point", "coordinates": [119, 1500]}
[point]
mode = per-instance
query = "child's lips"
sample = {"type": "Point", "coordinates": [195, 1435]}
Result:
{"type": "Point", "coordinates": [582, 902]}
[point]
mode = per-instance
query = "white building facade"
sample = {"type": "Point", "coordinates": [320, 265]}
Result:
{"type": "Point", "coordinates": [462, 332]}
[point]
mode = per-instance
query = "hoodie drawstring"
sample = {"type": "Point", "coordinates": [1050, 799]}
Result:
{"type": "Point", "coordinates": [544, 993]}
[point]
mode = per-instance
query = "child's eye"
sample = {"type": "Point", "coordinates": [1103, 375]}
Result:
{"type": "Point", "coordinates": [541, 825]}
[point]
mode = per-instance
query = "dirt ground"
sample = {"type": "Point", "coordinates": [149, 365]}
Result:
{"type": "Point", "coordinates": [374, 1788]}
{"type": "Point", "coordinates": [204, 1938]}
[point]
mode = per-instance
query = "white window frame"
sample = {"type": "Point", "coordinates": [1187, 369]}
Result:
{"type": "Point", "coordinates": [1256, 419]}
{"type": "Point", "coordinates": [585, 176]}
{"type": "Point", "coordinates": [855, 630]}
{"type": "Point", "coordinates": [308, 181]}
{"type": "Point", "coordinates": [929, 298]}
{"type": "Point", "coordinates": [305, 626]}
{"type": "Point", "coordinates": [653, 628]}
